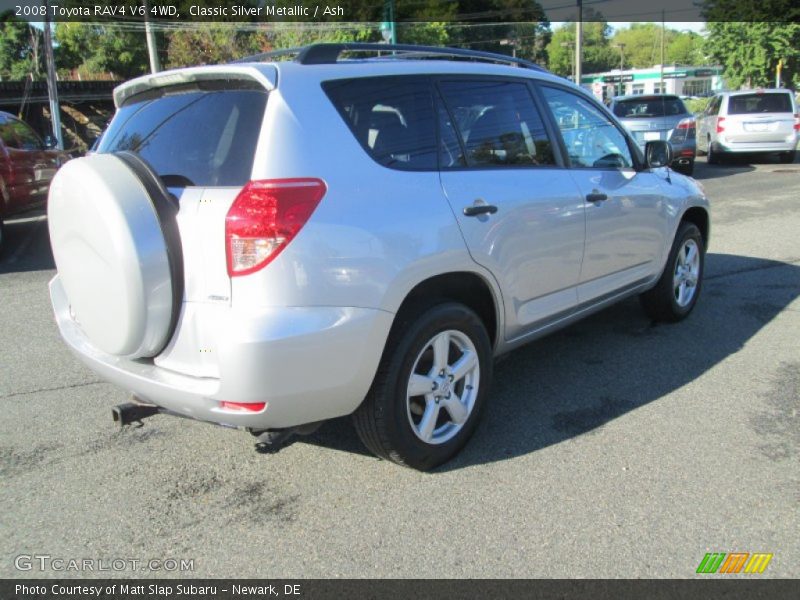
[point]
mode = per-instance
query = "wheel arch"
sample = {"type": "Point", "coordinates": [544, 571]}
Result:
{"type": "Point", "coordinates": [699, 217]}
{"type": "Point", "coordinates": [465, 287]}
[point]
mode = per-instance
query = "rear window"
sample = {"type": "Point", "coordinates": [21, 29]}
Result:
{"type": "Point", "coordinates": [391, 117]}
{"type": "Point", "coordinates": [652, 106]}
{"type": "Point", "coordinates": [192, 136]}
{"type": "Point", "coordinates": [759, 103]}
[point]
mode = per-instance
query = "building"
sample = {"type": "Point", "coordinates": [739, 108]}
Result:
{"type": "Point", "coordinates": [677, 79]}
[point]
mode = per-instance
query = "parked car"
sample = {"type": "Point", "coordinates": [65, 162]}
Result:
{"type": "Point", "coordinates": [268, 245]}
{"type": "Point", "coordinates": [27, 166]}
{"type": "Point", "coordinates": [660, 117]}
{"type": "Point", "coordinates": [752, 121]}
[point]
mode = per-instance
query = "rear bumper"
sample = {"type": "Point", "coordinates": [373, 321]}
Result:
{"type": "Point", "coordinates": [307, 363]}
{"type": "Point", "coordinates": [745, 147]}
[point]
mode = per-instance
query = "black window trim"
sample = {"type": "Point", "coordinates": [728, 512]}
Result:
{"type": "Point", "coordinates": [633, 148]}
{"type": "Point", "coordinates": [558, 152]}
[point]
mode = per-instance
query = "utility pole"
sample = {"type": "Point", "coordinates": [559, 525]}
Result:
{"type": "Point", "coordinates": [52, 82]}
{"type": "Point", "coordinates": [570, 50]}
{"type": "Point", "coordinates": [578, 42]}
{"type": "Point", "coordinates": [661, 82]}
{"type": "Point", "coordinates": [152, 50]}
{"type": "Point", "coordinates": [621, 47]}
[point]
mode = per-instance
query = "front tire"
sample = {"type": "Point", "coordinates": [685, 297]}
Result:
{"type": "Point", "coordinates": [676, 293]}
{"type": "Point", "coordinates": [430, 389]}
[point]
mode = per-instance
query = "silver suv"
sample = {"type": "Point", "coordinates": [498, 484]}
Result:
{"type": "Point", "coordinates": [267, 245]}
{"type": "Point", "coordinates": [750, 121]}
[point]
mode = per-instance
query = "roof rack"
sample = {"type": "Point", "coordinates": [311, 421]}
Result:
{"type": "Point", "coordinates": [326, 54]}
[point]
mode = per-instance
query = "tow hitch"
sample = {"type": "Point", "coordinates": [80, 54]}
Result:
{"type": "Point", "coordinates": [125, 414]}
{"type": "Point", "coordinates": [137, 411]}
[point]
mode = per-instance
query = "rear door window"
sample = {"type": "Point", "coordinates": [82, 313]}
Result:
{"type": "Point", "coordinates": [391, 117]}
{"type": "Point", "coordinates": [747, 104]}
{"type": "Point", "coordinates": [498, 123]}
{"type": "Point", "coordinates": [192, 136]}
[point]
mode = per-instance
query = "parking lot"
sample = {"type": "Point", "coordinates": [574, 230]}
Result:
{"type": "Point", "coordinates": [614, 448]}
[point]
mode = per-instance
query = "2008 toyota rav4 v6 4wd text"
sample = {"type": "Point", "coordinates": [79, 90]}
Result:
{"type": "Point", "coordinates": [267, 245]}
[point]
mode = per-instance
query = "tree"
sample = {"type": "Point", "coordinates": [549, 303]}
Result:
{"type": "Point", "coordinates": [686, 49]}
{"type": "Point", "coordinates": [749, 52]}
{"type": "Point", "coordinates": [212, 43]}
{"type": "Point", "coordinates": [20, 50]}
{"type": "Point", "coordinates": [101, 48]}
{"type": "Point", "coordinates": [598, 56]}
{"type": "Point", "coordinates": [503, 26]}
{"type": "Point", "coordinates": [643, 46]}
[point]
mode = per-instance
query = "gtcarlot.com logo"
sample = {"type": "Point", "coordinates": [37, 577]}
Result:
{"type": "Point", "coordinates": [734, 562]}
{"type": "Point", "coordinates": [46, 562]}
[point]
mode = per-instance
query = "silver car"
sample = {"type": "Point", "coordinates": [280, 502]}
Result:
{"type": "Point", "coordinates": [268, 245]}
{"type": "Point", "coordinates": [660, 117]}
{"type": "Point", "coordinates": [750, 121]}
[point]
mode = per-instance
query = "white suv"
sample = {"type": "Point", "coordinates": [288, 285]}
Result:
{"type": "Point", "coordinates": [267, 245]}
{"type": "Point", "coordinates": [750, 121]}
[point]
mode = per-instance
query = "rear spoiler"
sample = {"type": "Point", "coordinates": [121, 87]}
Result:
{"type": "Point", "coordinates": [266, 75]}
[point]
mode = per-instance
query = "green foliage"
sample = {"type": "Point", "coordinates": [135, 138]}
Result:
{"type": "Point", "coordinates": [290, 35]}
{"type": "Point", "coordinates": [642, 46]}
{"type": "Point", "coordinates": [696, 105]}
{"type": "Point", "coordinates": [99, 48]}
{"type": "Point", "coordinates": [598, 55]}
{"type": "Point", "coordinates": [214, 43]}
{"type": "Point", "coordinates": [20, 50]}
{"type": "Point", "coordinates": [750, 52]}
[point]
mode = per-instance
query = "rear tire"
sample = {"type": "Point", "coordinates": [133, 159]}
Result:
{"type": "Point", "coordinates": [787, 158]}
{"type": "Point", "coordinates": [713, 157]}
{"type": "Point", "coordinates": [685, 169]}
{"type": "Point", "coordinates": [430, 388]}
{"type": "Point", "coordinates": [677, 291]}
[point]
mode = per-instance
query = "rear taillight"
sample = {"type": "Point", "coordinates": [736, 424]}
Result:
{"type": "Point", "coordinates": [264, 218]}
{"type": "Point", "coordinates": [720, 128]}
{"type": "Point", "coordinates": [243, 406]}
{"type": "Point", "coordinates": [685, 124]}
{"type": "Point", "coordinates": [797, 122]}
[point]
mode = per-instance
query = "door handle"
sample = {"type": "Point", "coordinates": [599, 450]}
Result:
{"type": "Point", "coordinates": [596, 197]}
{"type": "Point", "coordinates": [479, 209]}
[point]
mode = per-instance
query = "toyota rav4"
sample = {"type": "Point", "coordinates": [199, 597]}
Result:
{"type": "Point", "coordinates": [360, 229]}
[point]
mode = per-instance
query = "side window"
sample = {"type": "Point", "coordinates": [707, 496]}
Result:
{"type": "Point", "coordinates": [713, 107]}
{"type": "Point", "coordinates": [591, 138]}
{"type": "Point", "coordinates": [28, 140]}
{"type": "Point", "coordinates": [498, 123]}
{"type": "Point", "coordinates": [7, 134]}
{"type": "Point", "coordinates": [391, 117]}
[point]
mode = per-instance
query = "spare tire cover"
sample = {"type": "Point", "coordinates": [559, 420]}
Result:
{"type": "Point", "coordinates": [111, 255]}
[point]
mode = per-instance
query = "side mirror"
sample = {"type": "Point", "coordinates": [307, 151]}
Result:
{"type": "Point", "coordinates": [658, 154]}
{"type": "Point", "coordinates": [50, 142]}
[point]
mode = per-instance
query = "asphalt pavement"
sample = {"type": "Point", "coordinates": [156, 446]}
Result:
{"type": "Point", "coordinates": [614, 448]}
